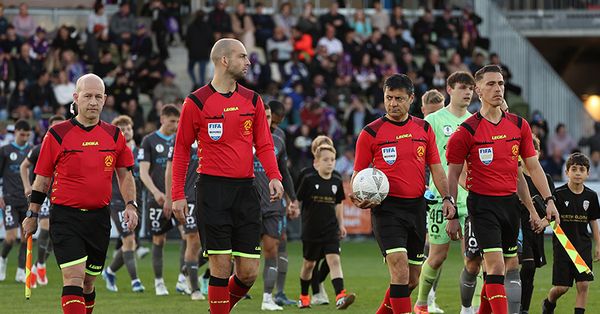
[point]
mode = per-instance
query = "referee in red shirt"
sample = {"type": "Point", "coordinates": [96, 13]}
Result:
{"type": "Point", "coordinates": [82, 153]}
{"type": "Point", "coordinates": [229, 123]}
{"type": "Point", "coordinates": [400, 146]}
{"type": "Point", "coordinates": [490, 142]}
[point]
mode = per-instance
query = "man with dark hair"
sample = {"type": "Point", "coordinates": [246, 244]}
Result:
{"type": "Point", "coordinates": [82, 154]}
{"type": "Point", "coordinates": [153, 161]}
{"type": "Point", "coordinates": [43, 241]}
{"type": "Point", "coordinates": [122, 25]}
{"type": "Point", "coordinates": [460, 86]}
{"type": "Point", "coordinates": [400, 146]}
{"type": "Point", "coordinates": [15, 201]}
{"type": "Point", "coordinates": [41, 94]}
{"type": "Point", "coordinates": [491, 142]}
{"type": "Point", "coordinates": [228, 121]}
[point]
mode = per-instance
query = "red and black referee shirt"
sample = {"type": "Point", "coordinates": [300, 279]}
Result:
{"type": "Point", "coordinates": [492, 152]}
{"type": "Point", "coordinates": [400, 150]}
{"type": "Point", "coordinates": [226, 126]}
{"type": "Point", "coordinates": [83, 160]}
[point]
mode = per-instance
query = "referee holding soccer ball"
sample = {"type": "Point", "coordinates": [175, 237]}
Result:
{"type": "Point", "coordinates": [82, 154]}
{"type": "Point", "coordinates": [400, 145]}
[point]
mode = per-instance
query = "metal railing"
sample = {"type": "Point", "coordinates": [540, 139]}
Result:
{"type": "Point", "coordinates": [543, 88]}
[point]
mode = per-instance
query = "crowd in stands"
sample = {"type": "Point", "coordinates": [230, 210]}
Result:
{"type": "Point", "coordinates": [328, 70]}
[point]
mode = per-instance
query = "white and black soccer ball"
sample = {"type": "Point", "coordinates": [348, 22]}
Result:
{"type": "Point", "coordinates": [371, 184]}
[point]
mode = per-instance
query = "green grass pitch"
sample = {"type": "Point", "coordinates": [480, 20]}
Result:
{"type": "Point", "coordinates": [364, 273]}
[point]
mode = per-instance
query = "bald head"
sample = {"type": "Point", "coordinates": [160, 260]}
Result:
{"type": "Point", "coordinates": [225, 47]}
{"type": "Point", "coordinates": [88, 80]}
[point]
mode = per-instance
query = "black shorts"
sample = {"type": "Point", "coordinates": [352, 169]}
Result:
{"type": "Point", "coordinates": [533, 246]}
{"type": "Point", "coordinates": [314, 251]}
{"type": "Point", "coordinates": [14, 216]}
{"type": "Point", "coordinates": [564, 271]}
{"type": "Point", "coordinates": [116, 213]}
{"type": "Point", "coordinates": [80, 236]}
{"type": "Point", "coordinates": [497, 222]}
{"type": "Point", "coordinates": [471, 246]}
{"type": "Point", "coordinates": [190, 226]}
{"type": "Point", "coordinates": [399, 226]}
{"type": "Point", "coordinates": [229, 216]}
{"type": "Point", "coordinates": [158, 222]}
{"type": "Point", "coordinates": [45, 209]}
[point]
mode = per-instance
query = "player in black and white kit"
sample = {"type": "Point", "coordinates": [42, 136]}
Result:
{"type": "Point", "coordinates": [43, 240]}
{"type": "Point", "coordinates": [14, 202]}
{"type": "Point", "coordinates": [153, 157]}
{"type": "Point", "coordinates": [126, 253]}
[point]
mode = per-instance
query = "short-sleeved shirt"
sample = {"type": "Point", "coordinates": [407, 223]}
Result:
{"type": "Point", "coordinates": [576, 210]}
{"type": "Point", "coordinates": [261, 180]}
{"type": "Point", "coordinates": [11, 157]}
{"type": "Point", "coordinates": [82, 160]}
{"type": "Point", "coordinates": [155, 150]}
{"type": "Point", "coordinates": [492, 152]}
{"type": "Point", "coordinates": [399, 149]}
{"type": "Point", "coordinates": [319, 198]}
{"type": "Point", "coordinates": [444, 123]}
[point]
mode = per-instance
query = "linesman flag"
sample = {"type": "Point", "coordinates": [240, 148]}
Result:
{"type": "Point", "coordinates": [28, 276]}
{"type": "Point", "coordinates": [562, 237]}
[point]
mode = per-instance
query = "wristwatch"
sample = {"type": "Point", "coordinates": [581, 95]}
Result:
{"type": "Point", "coordinates": [30, 214]}
{"type": "Point", "coordinates": [551, 197]}
{"type": "Point", "coordinates": [450, 198]}
{"type": "Point", "coordinates": [132, 203]}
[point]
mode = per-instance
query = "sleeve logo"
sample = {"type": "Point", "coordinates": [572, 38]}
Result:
{"type": "Point", "coordinates": [215, 130]}
{"type": "Point", "coordinates": [486, 155]}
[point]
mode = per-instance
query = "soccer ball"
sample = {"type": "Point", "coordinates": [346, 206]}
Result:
{"type": "Point", "coordinates": [371, 184]}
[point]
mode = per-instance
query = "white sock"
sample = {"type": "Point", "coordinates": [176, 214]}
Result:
{"type": "Point", "coordinates": [134, 281]}
{"type": "Point", "coordinates": [181, 278]}
{"type": "Point", "coordinates": [109, 271]}
{"type": "Point", "coordinates": [267, 297]}
{"type": "Point", "coordinates": [158, 281]}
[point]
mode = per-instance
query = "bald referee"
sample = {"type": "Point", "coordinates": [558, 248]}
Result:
{"type": "Point", "coordinates": [229, 123]}
{"type": "Point", "coordinates": [82, 153]}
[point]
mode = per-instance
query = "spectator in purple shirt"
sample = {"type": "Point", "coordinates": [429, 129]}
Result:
{"type": "Point", "coordinates": [39, 44]}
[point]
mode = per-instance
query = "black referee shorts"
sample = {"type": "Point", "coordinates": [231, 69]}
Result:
{"type": "Point", "coordinates": [80, 236]}
{"type": "Point", "coordinates": [399, 226]}
{"type": "Point", "coordinates": [229, 216]}
{"type": "Point", "coordinates": [496, 221]}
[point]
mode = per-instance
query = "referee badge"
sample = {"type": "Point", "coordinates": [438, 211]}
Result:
{"type": "Point", "coordinates": [389, 154]}
{"type": "Point", "coordinates": [586, 204]}
{"type": "Point", "coordinates": [215, 130]}
{"type": "Point", "coordinates": [486, 155]}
